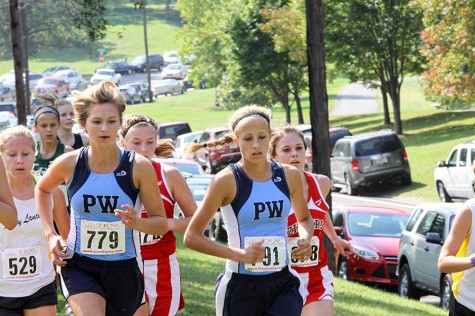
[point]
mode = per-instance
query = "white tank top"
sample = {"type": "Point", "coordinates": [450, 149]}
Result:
{"type": "Point", "coordinates": [24, 267]}
{"type": "Point", "coordinates": [464, 282]}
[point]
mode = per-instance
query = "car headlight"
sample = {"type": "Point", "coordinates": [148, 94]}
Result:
{"type": "Point", "coordinates": [365, 253]}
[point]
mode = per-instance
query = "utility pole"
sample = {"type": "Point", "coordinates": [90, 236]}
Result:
{"type": "Point", "coordinates": [26, 70]}
{"type": "Point", "coordinates": [318, 99]}
{"type": "Point", "coordinates": [149, 80]}
{"type": "Point", "coordinates": [15, 27]}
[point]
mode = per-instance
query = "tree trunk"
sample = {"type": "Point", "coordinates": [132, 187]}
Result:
{"type": "Point", "coordinates": [26, 70]}
{"type": "Point", "coordinates": [15, 27]}
{"type": "Point", "coordinates": [387, 118]}
{"type": "Point", "coordinates": [298, 103]}
{"type": "Point", "coordinates": [318, 99]}
{"type": "Point", "coordinates": [394, 93]}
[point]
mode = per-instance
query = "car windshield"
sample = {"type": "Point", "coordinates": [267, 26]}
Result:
{"type": "Point", "coordinates": [198, 190]}
{"type": "Point", "coordinates": [174, 67]}
{"type": "Point", "coordinates": [103, 72]}
{"type": "Point", "coordinates": [50, 81]}
{"type": "Point", "coordinates": [377, 145]}
{"type": "Point", "coordinates": [138, 59]}
{"type": "Point", "coordinates": [376, 225]}
{"type": "Point", "coordinates": [189, 168]}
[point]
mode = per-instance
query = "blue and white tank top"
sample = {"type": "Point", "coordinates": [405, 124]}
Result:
{"type": "Point", "coordinates": [259, 211]}
{"type": "Point", "coordinates": [95, 231]}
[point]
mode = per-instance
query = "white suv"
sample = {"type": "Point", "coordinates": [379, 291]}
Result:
{"type": "Point", "coordinates": [453, 178]}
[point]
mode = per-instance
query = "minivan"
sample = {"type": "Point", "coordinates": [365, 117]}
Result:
{"type": "Point", "coordinates": [173, 129]}
{"type": "Point", "coordinates": [365, 159]}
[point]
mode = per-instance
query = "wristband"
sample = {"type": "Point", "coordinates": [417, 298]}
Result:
{"type": "Point", "coordinates": [472, 259]}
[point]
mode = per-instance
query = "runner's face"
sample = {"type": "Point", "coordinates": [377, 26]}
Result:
{"type": "Point", "coordinates": [47, 125]}
{"type": "Point", "coordinates": [142, 140]}
{"type": "Point", "coordinates": [290, 150]}
{"type": "Point", "coordinates": [66, 115]}
{"type": "Point", "coordinates": [103, 123]}
{"type": "Point", "coordinates": [253, 135]}
{"type": "Point", "coordinates": [19, 156]}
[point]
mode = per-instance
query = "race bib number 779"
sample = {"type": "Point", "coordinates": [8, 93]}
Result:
{"type": "Point", "coordinates": [102, 238]}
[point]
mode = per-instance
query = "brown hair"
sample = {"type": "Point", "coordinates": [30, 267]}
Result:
{"type": "Point", "coordinates": [277, 135]}
{"type": "Point", "coordinates": [104, 92]}
{"type": "Point", "coordinates": [239, 115]}
{"type": "Point", "coordinates": [164, 147]}
{"type": "Point", "coordinates": [52, 99]}
{"type": "Point", "coordinates": [16, 131]}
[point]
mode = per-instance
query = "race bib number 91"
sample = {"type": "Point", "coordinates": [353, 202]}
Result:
{"type": "Point", "coordinates": [312, 260]}
{"type": "Point", "coordinates": [275, 256]}
{"type": "Point", "coordinates": [21, 263]}
{"type": "Point", "coordinates": [102, 238]}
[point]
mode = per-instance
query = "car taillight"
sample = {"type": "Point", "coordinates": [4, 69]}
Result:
{"type": "Point", "coordinates": [404, 155]}
{"type": "Point", "coordinates": [354, 164]}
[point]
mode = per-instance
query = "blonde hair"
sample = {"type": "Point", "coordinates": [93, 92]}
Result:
{"type": "Point", "coordinates": [104, 92]}
{"type": "Point", "coordinates": [16, 131]}
{"type": "Point", "coordinates": [238, 116]}
{"type": "Point", "coordinates": [53, 99]}
{"type": "Point", "coordinates": [277, 135]}
{"type": "Point", "coordinates": [164, 146]}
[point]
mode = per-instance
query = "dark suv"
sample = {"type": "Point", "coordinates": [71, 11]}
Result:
{"type": "Point", "coordinates": [214, 158]}
{"type": "Point", "coordinates": [369, 158]}
{"type": "Point", "coordinates": [8, 107]}
{"type": "Point", "coordinates": [173, 129]}
{"type": "Point", "coordinates": [139, 63]}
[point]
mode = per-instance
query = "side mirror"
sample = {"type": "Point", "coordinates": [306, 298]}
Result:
{"type": "Point", "coordinates": [338, 230]}
{"type": "Point", "coordinates": [434, 238]}
{"type": "Point", "coordinates": [441, 164]}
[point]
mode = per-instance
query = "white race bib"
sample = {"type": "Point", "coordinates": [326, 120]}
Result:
{"type": "Point", "coordinates": [275, 254]}
{"type": "Point", "coordinates": [21, 263]}
{"type": "Point", "coordinates": [312, 261]}
{"type": "Point", "coordinates": [102, 238]}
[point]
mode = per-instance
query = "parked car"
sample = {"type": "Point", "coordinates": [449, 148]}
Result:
{"type": "Point", "coordinates": [454, 178]}
{"type": "Point", "coordinates": [419, 248]}
{"type": "Point", "coordinates": [166, 86]}
{"type": "Point", "coordinates": [174, 71]}
{"type": "Point", "coordinates": [335, 133]}
{"type": "Point", "coordinates": [173, 129]}
{"type": "Point", "coordinates": [102, 74]}
{"type": "Point", "coordinates": [71, 76]}
{"type": "Point", "coordinates": [374, 233]}
{"type": "Point", "coordinates": [188, 168]}
{"type": "Point", "coordinates": [119, 66]}
{"type": "Point", "coordinates": [52, 84]}
{"type": "Point", "coordinates": [131, 95]}
{"type": "Point", "coordinates": [7, 92]}
{"type": "Point", "coordinates": [365, 159]}
{"type": "Point", "coordinates": [7, 119]}
{"type": "Point", "coordinates": [183, 141]}
{"type": "Point", "coordinates": [9, 107]}
{"type": "Point", "coordinates": [8, 77]}
{"type": "Point", "coordinates": [139, 63]}
{"type": "Point", "coordinates": [33, 78]}
{"type": "Point", "coordinates": [215, 158]}
{"type": "Point", "coordinates": [186, 83]}
{"type": "Point", "coordinates": [142, 88]}
{"type": "Point", "coordinates": [51, 71]}
{"type": "Point", "coordinates": [171, 57]}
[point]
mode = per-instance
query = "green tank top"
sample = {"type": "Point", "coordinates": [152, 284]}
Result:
{"type": "Point", "coordinates": [41, 165]}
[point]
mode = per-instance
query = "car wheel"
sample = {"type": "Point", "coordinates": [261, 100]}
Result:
{"type": "Point", "coordinates": [406, 288]}
{"type": "Point", "coordinates": [406, 179]}
{"type": "Point", "coordinates": [445, 292]}
{"type": "Point", "coordinates": [443, 195]}
{"type": "Point", "coordinates": [209, 166]}
{"type": "Point", "coordinates": [350, 189]}
{"type": "Point", "coordinates": [144, 69]}
{"type": "Point", "coordinates": [343, 269]}
{"type": "Point", "coordinates": [129, 71]}
{"type": "Point", "coordinates": [132, 101]}
{"type": "Point", "coordinates": [216, 231]}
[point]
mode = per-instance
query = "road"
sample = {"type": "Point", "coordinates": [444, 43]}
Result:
{"type": "Point", "coordinates": [355, 98]}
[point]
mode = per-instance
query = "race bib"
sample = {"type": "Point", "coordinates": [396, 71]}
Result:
{"type": "Point", "coordinates": [275, 254]}
{"type": "Point", "coordinates": [102, 238]}
{"type": "Point", "coordinates": [312, 261]}
{"type": "Point", "coordinates": [146, 239]}
{"type": "Point", "coordinates": [21, 263]}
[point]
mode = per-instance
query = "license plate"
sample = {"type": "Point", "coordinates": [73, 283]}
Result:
{"type": "Point", "coordinates": [379, 161]}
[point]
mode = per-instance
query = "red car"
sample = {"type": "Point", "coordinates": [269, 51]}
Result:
{"type": "Point", "coordinates": [52, 84]}
{"type": "Point", "coordinates": [214, 158]}
{"type": "Point", "coordinates": [374, 233]}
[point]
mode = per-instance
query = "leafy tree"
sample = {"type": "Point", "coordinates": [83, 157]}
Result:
{"type": "Point", "coordinates": [449, 46]}
{"type": "Point", "coordinates": [374, 40]}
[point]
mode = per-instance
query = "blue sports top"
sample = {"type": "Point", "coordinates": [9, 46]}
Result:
{"type": "Point", "coordinates": [95, 231]}
{"type": "Point", "coordinates": [259, 209]}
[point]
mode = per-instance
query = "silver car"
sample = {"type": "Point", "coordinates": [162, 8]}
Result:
{"type": "Point", "coordinates": [366, 159]}
{"type": "Point", "coordinates": [166, 86]}
{"type": "Point", "coordinates": [419, 248]}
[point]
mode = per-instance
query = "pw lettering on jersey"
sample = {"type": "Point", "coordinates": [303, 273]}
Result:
{"type": "Point", "coordinates": [274, 208]}
{"type": "Point", "coordinates": [108, 203]}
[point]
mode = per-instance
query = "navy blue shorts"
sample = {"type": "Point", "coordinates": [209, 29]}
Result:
{"type": "Point", "coordinates": [14, 306]}
{"type": "Point", "coordinates": [120, 283]}
{"type": "Point", "coordinates": [274, 294]}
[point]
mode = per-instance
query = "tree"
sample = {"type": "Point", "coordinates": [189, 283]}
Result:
{"type": "Point", "coordinates": [318, 97]}
{"type": "Point", "coordinates": [449, 46]}
{"type": "Point", "coordinates": [375, 40]}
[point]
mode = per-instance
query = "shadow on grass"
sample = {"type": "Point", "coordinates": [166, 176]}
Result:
{"type": "Point", "coordinates": [389, 190]}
